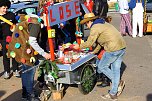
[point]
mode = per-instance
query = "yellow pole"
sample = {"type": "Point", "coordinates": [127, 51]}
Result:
{"type": "Point", "coordinates": [5, 20]}
{"type": "Point", "coordinates": [12, 28]}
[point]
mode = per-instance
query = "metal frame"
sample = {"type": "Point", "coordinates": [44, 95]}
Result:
{"type": "Point", "coordinates": [72, 71]}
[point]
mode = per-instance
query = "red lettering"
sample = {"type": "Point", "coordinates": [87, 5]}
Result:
{"type": "Point", "coordinates": [68, 11]}
{"type": "Point", "coordinates": [61, 13]}
{"type": "Point", "coordinates": [76, 6]}
{"type": "Point", "coordinates": [51, 17]}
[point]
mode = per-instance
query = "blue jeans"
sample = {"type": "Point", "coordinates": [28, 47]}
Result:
{"type": "Point", "coordinates": [113, 59]}
{"type": "Point", "coordinates": [28, 78]}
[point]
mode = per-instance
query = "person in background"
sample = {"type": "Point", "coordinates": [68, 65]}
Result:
{"type": "Point", "coordinates": [100, 8]}
{"type": "Point", "coordinates": [125, 18]}
{"type": "Point", "coordinates": [6, 34]}
{"type": "Point", "coordinates": [107, 36]}
{"type": "Point", "coordinates": [137, 7]}
{"type": "Point", "coordinates": [66, 30]}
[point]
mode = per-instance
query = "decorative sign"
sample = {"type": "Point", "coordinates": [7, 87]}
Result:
{"type": "Point", "coordinates": [64, 11]}
{"type": "Point", "coordinates": [51, 33]}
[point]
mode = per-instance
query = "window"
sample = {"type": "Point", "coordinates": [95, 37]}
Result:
{"type": "Point", "coordinates": [28, 11]}
{"type": "Point", "coordinates": [11, 9]}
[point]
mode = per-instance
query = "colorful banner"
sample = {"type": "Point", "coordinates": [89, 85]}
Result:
{"type": "Point", "coordinates": [64, 11]}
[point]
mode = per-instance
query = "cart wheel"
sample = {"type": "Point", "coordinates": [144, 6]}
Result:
{"type": "Point", "coordinates": [87, 81]}
{"type": "Point", "coordinates": [52, 85]}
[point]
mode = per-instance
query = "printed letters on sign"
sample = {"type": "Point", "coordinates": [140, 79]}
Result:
{"type": "Point", "coordinates": [64, 11]}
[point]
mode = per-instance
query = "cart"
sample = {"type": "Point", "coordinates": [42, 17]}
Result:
{"type": "Point", "coordinates": [147, 28]}
{"type": "Point", "coordinates": [81, 72]}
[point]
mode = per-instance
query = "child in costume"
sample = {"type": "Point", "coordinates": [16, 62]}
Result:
{"type": "Point", "coordinates": [24, 48]}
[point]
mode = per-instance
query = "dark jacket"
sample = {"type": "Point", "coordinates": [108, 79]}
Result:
{"type": "Point", "coordinates": [4, 27]}
{"type": "Point", "coordinates": [100, 8]}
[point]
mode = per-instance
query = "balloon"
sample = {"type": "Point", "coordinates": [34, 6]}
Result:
{"type": "Point", "coordinates": [23, 60]}
{"type": "Point", "coordinates": [20, 27]}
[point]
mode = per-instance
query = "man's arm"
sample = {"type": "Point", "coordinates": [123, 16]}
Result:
{"type": "Point", "coordinates": [97, 49]}
{"type": "Point", "coordinates": [34, 30]}
{"type": "Point", "coordinates": [91, 39]}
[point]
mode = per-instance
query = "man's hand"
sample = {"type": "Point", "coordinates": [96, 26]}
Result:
{"type": "Point", "coordinates": [47, 56]}
{"type": "Point", "coordinates": [76, 46]}
{"type": "Point", "coordinates": [61, 25]}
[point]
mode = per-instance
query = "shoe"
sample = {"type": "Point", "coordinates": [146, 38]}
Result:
{"type": "Point", "coordinates": [130, 34]}
{"type": "Point", "coordinates": [120, 87]}
{"type": "Point", "coordinates": [31, 97]}
{"type": "Point", "coordinates": [105, 81]}
{"type": "Point", "coordinates": [6, 75]}
{"type": "Point", "coordinates": [110, 97]}
{"type": "Point", "coordinates": [24, 97]}
{"type": "Point", "coordinates": [140, 36]}
{"type": "Point", "coordinates": [16, 73]}
{"type": "Point", "coordinates": [133, 36]}
{"type": "Point", "coordinates": [124, 34]}
{"type": "Point", "coordinates": [103, 84]}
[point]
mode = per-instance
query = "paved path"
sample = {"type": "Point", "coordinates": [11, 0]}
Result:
{"type": "Point", "coordinates": [137, 66]}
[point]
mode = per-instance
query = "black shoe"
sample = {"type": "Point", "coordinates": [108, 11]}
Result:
{"type": "Point", "coordinates": [103, 84]}
{"type": "Point", "coordinates": [31, 97]}
{"type": "Point", "coordinates": [24, 97]}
